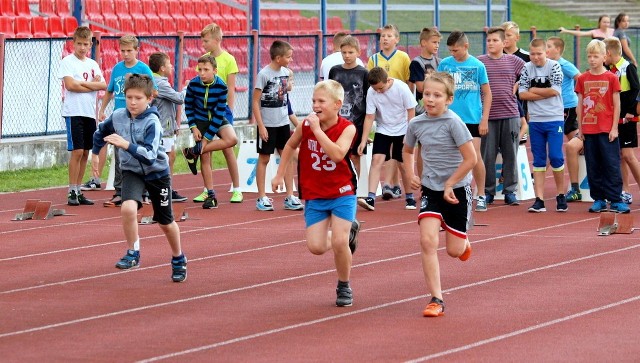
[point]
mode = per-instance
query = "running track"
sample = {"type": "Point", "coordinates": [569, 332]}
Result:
{"type": "Point", "coordinates": [540, 287]}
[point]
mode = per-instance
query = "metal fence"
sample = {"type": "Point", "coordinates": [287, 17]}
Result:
{"type": "Point", "coordinates": [31, 93]}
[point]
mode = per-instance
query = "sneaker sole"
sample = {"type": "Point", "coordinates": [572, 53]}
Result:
{"type": "Point", "coordinates": [293, 208]}
{"type": "Point", "coordinates": [410, 207]}
{"type": "Point", "coordinates": [127, 268]}
{"type": "Point", "coordinates": [532, 210]}
{"type": "Point", "coordinates": [344, 305]}
{"type": "Point", "coordinates": [561, 210]}
{"type": "Point", "coordinates": [364, 205]}
{"type": "Point", "coordinates": [430, 314]}
{"type": "Point", "coordinates": [387, 196]}
{"type": "Point", "coordinates": [179, 279]}
{"type": "Point", "coordinates": [236, 201]}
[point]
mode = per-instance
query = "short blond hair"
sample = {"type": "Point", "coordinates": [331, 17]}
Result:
{"type": "Point", "coordinates": [444, 78]}
{"type": "Point", "coordinates": [558, 43]}
{"type": "Point", "coordinates": [349, 41]}
{"type": "Point", "coordinates": [511, 25]}
{"type": "Point", "coordinates": [613, 46]}
{"type": "Point", "coordinates": [427, 33]}
{"type": "Point", "coordinates": [129, 39]}
{"type": "Point", "coordinates": [393, 28]}
{"type": "Point", "coordinates": [82, 32]}
{"type": "Point", "coordinates": [333, 89]}
{"type": "Point", "coordinates": [213, 29]}
{"type": "Point", "coordinates": [596, 46]}
{"type": "Point", "coordinates": [337, 39]}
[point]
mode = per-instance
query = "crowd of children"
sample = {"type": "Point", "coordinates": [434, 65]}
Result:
{"type": "Point", "coordinates": [446, 118]}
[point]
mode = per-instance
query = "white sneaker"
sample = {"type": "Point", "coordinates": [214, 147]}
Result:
{"type": "Point", "coordinates": [292, 203]}
{"type": "Point", "coordinates": [264, 204]}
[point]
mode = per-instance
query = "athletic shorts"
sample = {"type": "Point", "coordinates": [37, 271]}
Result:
{"type": "Point", "coordinates": [628, 135]}
{"type": "Point", "coordinates": [454, 218]}
{"type": "Point", "coordinates": [228, 115]}
{"type": "Point", "coordinates": [390, 146]}
{"type": "Point", "coordinates": [474, 129]}
{"type": "Point", "coordinates": [546, 140]}
{"type": "Point", "coordinates": [278, 137]}
{"type": "Point", "coordinates": [134, 185]}
{"type": "Point", "coordinates": [168, 143]}
{"type": "Point", "coordinates": [203, 127]}
{"type": "Point", "coordinates": [357, 139]}
{"type": "Point", "coordinates": [80, 131]}
{"type": "Point", "coordinates": [570, 120]}
{"type": "Point", "coordinates": [317, 210]}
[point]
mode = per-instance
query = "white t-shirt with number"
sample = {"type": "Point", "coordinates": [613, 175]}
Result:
{"type": "Point", "coordinates": [390, 108]}
{"type": "Point", "coordinates": [79, 103]}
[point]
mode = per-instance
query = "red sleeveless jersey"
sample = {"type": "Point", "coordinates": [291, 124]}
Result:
{"type": "Point", "coordinates": [319, 176]}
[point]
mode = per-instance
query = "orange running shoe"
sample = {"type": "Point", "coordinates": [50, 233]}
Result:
{"type": "Point", "coordinates": [434, 308]}
{"type": "Point", "coordinates": [467, 252]}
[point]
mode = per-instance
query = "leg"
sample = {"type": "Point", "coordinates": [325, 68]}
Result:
{"type": "Point", "coordinates": [261, 173]}
{"type": "Point", "coordinates": [129, 214]}
{"type": "Point", "coordinates": [509, 142]}
{"type": "Point", "coordinates": [429, 240]}
{"type": "Point", "coordinates": [232, 165]}
{"type": "Point", "coordinates": [172, 232]}
{"type": "Point", "coordinates": [171, 154]}
{"type": "Point", "coordinates": [205, 168]}
{"type": "Point", "coordinates": [489, 149]}
{"type": "Point", "coordinates": [102, 160]}
{"type": "Point", "coordinates": [479, 172]}
{"type": "Point", "coordinates": [556, 159]}
{"type": "Point", "coordinates": [629, 157]}
{"type": "Point", "coordinates": [75, 162]}
{"type": "Point", "coordinates": [377, 161]}
{"type": "Point", "coordinates": [539, 150]}
{"type": "Point", "coordinates": [572, 150]}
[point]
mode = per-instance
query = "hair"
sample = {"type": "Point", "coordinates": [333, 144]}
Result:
{"type": "Point", "coordinates": [600, 19]}
{"type": "Point", "coordinates": [213, 29]}
{"type": "Point", "coordinates": [618, 20]}
{"type": "Point", "coordinates": [208, 58]}
{"type": "Point", "coordinates": [596, 46]}
{"type": "Point", "coordinates": [337, 39]}
{"type": "Point", "coordinates": [129, 40]}
{"type": "Point", "coordinates": [613, 46]}
{"type": "Point", "coordinates": [279, 48]}
{"type": "Point", "coordinates": [537, 42]}
{"type": "Point", "coordinates": [157, 61]}
{"type": "Point", "coordinates": [558, 43]}
{"type": "Point", "coordinates": [82, 32]}
{"type": "Point", "coordinates": [377, 75]}
{"type": "Point", "coordinates": [333, 89]}
{"type": "Point", "coordinates": [457, 37]}
{"type": "Point", "coordinates": [442, 77]}
{"type": "Point", "coordinates": [427, 33]}
{"type": "Point", "coordinates": [349, 41]}
{"type": "Point", "coordinates": [511, 25]}
{"type": "Point", "coordinates": [393, 28]}
{"type": "Point", "coordinates": [496, 30]}
{"type": "Point", "coordinates": [139, 81]}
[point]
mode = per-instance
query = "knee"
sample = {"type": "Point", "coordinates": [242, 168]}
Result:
{"type": "Point", "coordinates": [429, 244]}
{"type": "Point", "coordinates": [315, 249]}
{"type": "Point", "coordinates": [231, 141]}
{"type": "Point", "coordinates": [454, 252]}
{"type": "Point", "coordinates": [129, 209]}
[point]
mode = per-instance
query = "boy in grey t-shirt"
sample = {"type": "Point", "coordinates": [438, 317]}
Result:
{"type": "Point", "coordinates": [541, 86]}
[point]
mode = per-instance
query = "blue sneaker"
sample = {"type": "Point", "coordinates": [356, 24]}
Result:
{"type": "Point", "coordinates": [627, 198]}
{"type": "Point", "coordinates": [130, 260]}
{"type": "Point", "coordinates": [489, 198]}
{"type": "Point", "coordinates": [620, 207]}
{"type": "Point", "coordinates": [598, 206]}
{"type": "Point", "coordinates": [293, 203]}
{"type": "Point", "coordinates": [264, 204]}
{"type": "Point", "coordinates": [574, 196]}
{"type": "Point", "coordinates": [481, 204]}
{"type": "Point", "coordinates": [179, 268]}
{"type": "Point", "coordinates": [509, 199]}
{"type": "Point", "coordinates": [538, 206]}
{"type": "Point", "coordinates": [387, 192]}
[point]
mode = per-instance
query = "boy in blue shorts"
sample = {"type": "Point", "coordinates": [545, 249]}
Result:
{"type": "Point", "coordinates": [135, 132]}
{"type": "Point", "coordinates": [448, 156]}
{"type": "Point", "coordinates": [541, 86]}
{"type": "Point", "coordinates": [327, 181]}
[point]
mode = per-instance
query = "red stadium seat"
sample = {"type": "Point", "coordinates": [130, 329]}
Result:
{"type": "Point", "coordinates": [22, 27]}
{"type": "Point", "coordinates": [55, 27]}
{"type": "Point", "coordinates": [62, 8]}
{"type": "Point", "coordinates": [135, 9]}
{"type": "Point", "coordinates": [127, 26]}
{"type": "Point", "coordinates": [141, 26]}
{"type": "Point", "coordinates": [6, 26]}
{"type": "Point", "coordinates": [121, 10]}
{"type": "Point", "coordinates": [149, 9]}
{"type": "Point", "coordinates": [93, 12]}
{"type": "Point", "coordinates": [22, 8]}
{"type": "Point", "coordinates": [175, 8]}
{"type": "Point", "coordinates": [107, 9]}
{"type": "Point", "coordinates": [188, 9]}
{"type": "Point", "coordinates": [47, 7]}
{"type": "Point", "coordinates": [70, 25]}
{"type": "Point", "coordinates": [6, 8]}
{"type": "Point", "coordinates": [182, 24]}
{"type": "Point", "coordinates": [112, 26]}
{"type": "Point", "coordinates": [39, 27]}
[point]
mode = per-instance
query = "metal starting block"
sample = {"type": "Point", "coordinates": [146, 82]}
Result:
{"type": "Point", "coordinates": [38, 210]}
{"type": "Point", "coordinates": [611, 223]}
{"type": "Point", "coordinates": [145, 214]}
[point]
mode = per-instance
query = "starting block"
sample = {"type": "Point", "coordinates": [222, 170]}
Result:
{"type": "Point", "coordinates": [611, 223]}
{"type": "Point", "coordinates": [38, 210]}
{"type": "Point", "coordinates": [145, 214]}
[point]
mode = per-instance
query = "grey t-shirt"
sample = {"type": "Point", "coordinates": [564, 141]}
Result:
{"type": "Point", "coordinates": [548, 76]}
{"type": "Point", "coordinates": [440, 138]}
{"type": "Point", "coordinates": [275, 99]}
{"type": "Point", "coordinates": [621, 34]}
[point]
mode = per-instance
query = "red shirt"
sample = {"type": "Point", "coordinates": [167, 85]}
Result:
{"type": "Point", "coordinates": [597, 101]}
{"type": "Point", "coordinates": [320, 177]}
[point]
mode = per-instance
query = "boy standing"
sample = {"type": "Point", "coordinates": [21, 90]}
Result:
{"type": "Point", "coordinates": [271, 111]}
{"type": "Point", "coordinates": [353, 78]}
{"type": "Point", "coordinates": [503, 71]}
{"type": "Point", "coordinates": [425, 63]}
{"type": "Point", "coordinates": [82, 80]}
{"type": "Point", "coordinates": [391, 104]}
{"type": "Point", "coordinates": [135, 132]}
{"type": "Point", "coordinates": [327, 181]}
{"type": "Point", "coordinates": [335, 58]}
{"type": "Point", "coordinates": [166, 102]}
{"type": "Point", "coordinates": [541, 87]}
{"type": "Point", "coordinates": [115, 91]}
{"type": "Point", "coordinates": [472, 101]}
{"type": "Point", "coordinates": [227, 69]}
{"type": "Point", "coordinates": [205, 103]}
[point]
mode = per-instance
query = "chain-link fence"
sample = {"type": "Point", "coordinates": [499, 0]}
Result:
{"type": "Point", "coordinates": [32, 94]}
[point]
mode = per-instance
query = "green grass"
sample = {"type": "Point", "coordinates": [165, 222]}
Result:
{"type": "Point", "coordinates": [26, 179]}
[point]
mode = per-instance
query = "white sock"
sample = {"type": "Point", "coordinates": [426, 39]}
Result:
{"type": "Point", "coordinates": [136, 245]}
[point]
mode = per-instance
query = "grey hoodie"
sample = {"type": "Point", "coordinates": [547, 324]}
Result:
{"type": "Point", "coordinates": [166, 102]}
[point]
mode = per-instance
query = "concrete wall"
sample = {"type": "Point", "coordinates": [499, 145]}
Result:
{"type": "Point", "coordinates": [47, 151]}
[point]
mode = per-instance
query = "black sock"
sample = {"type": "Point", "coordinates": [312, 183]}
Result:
{"type": "Point", "coordinates": [343, 283]}
{"type": "Point", "coordinates": [575, 186]}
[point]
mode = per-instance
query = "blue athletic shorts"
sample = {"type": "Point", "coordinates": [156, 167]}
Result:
{"type": "Point", "coordinates": [546, 140]}
{"type": "Point", "coordinates": [317, 210]}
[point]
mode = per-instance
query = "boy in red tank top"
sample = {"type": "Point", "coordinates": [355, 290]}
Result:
{"type": "Point", "coordinates": [327, 181]}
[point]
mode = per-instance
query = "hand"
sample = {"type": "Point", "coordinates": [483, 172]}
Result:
{"type": "Point", "coordinates": [416, 183]}
{"type": "Point", "coordinates": [277, 184]}
{"type": "Point", "coordinates": [483, 128]}
{"type": "Point", "coordinates": [117, 141]}
{"type": "Point", "coordinates": [613, 135]}
{"type": "Point", "coordinates": [97, 78]}
{"type": "Point", "coordinates": [628, 117]}
{"type": "Point", "coordinates": [264, 135]}
{"type": "Point", "coordinates": [101, 116]}
{"type": "Point", "coordinates": [312, 121]}
{"type": "Point", "coordinates": [361, 148]}
{"type": "Point", "coordinates": [450, 196]}
{"type": "Point", "coordinates": [562, 29]}
{"type": "Point", "coordinates": [197, 135]}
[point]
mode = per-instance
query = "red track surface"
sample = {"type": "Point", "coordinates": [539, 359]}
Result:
{"type": "Point", "coordinates": [538, 287]}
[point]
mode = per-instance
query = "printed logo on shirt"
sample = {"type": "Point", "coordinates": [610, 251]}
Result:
{"type": "Point", "coordinates": [592, 103]}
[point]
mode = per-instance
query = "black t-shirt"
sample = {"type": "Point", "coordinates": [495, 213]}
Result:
{"type": "Point", "coordinates": [355, 84]}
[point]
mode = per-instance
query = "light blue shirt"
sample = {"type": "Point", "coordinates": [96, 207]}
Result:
{"type": "Point", "coordinates": [116, 83]}
{"type": "Point", "coordinates": [468, 76]}
{"type": "Point", "coordinates": [569, 97]}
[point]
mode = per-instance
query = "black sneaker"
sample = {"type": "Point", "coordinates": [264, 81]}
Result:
{"type": "Point", "coordinates": [538, 206]}
{"type": "Point", "coordinates": [562, 203]}
{"type": "Point", "coordinates": [353, 236]}
{"type": "Point", "coordinates": [130, 260]}
{"type": "Point", "coordinates": [179, 269]}
{"type": "Point", "coordinates": [210, 203]}
{"type": "Point", "coordinates": [344, 296]}
{"type": "Point", "coordinates": [90, 185]}
{"type": "Point", "coordinates": [72, 198]}
{"type": "Point", "coordinates": [367, 203]}
{"type": "Point", "coordinates": [176, 197]}
{"type": "Point", "coordinates": [83, 200]}
{"type": "Point", "coordinates": [397, 192]}
{"type": "Point", "coordinates": [192, 160]}
{"type": "Point", "coordinates": [411, 204]}
{"type": "Point", "coordinates": [387, 192]}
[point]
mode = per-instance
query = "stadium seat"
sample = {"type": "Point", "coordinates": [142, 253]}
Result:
{"type": "Point", "coordinates": [182, 24]}
{"type": "Point", "coordinates": [162, 7]}
{"type": "Point", "coordinates": [70, 25]}
{"type": "Point", "coordinates": [6, 26]}
{"type": "Point", "coordinates": [92, 10]}
{"type": "Point", "coordinates": [22, 27]}
{"type": "Point", "coordinates": [22, 8]}
{"type": "Point", "coordinates": [55, 27]}
{"type": "Point", "coordinates": [62, 8]}
{"type": "Point", "coordinates": [121, 10]}
{"type": "Point", "coordinates": [6, 8]}
{"type": "Point", "coordinates": [47, 7]}
{"type": "Point", "coordinates": [107, 9]}
{"type": "Point", "coordinates": [158, 28]}
{"type": "Point", "coordinates": [149, 9]}
{"type": "Point", "coordinates": [188, 9]}
{"type": "Point", "coordinates": [141, 26]}
{"type": "Point", "coordinates": [39, 27]}
{"type": "Point", "coordinates": [135, 9]}
{"type": "Point", "coordinates": [127, 26]}
{"type": "Point", "coordinates": [112, 26]}
{"type": "Point", "coordinates": [175, 8]}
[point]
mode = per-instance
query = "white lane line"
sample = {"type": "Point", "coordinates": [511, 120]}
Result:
{"type": "Point", "coordinates": [524, 330]}
{"type": "Point", "coordinates": [377, 307]}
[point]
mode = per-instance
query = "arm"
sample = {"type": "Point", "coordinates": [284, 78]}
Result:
{"type": "Point", "coordinates": [411, 113]}
{"type": "Point", "coordinates": [231, 92]}
{"type": "Point", "coordinates": [544, 92]}
{"type": "Point", "coordinates": [165, 91]}
{"type": "Point", "coordinates": [613, 134]}
{"type": "Point", "coordinates": [579, 116]}
{"type": "Point", "coordinates": [626, 50]}
{"type": "Point", "coordinates": [408, 163]}
{"type": "Point", "coordinates": [577, 33]}
{"type": "Point", "coordinates": [335, 150]}
{"type": "Point", "coordinates": [285, 159]}
{"type": "Point", "coordinates": [105, 101]}
{"type": "Point", "coordinates": [469, 160]}
{"type": "Point", "coordinates": [366, 129]}
{"type": "Point", "coordinates": [104, 129]}
{"type": "Point", "coordinates": [487, 99]}
{"type": "Point", "coordinates": [255, 106]}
